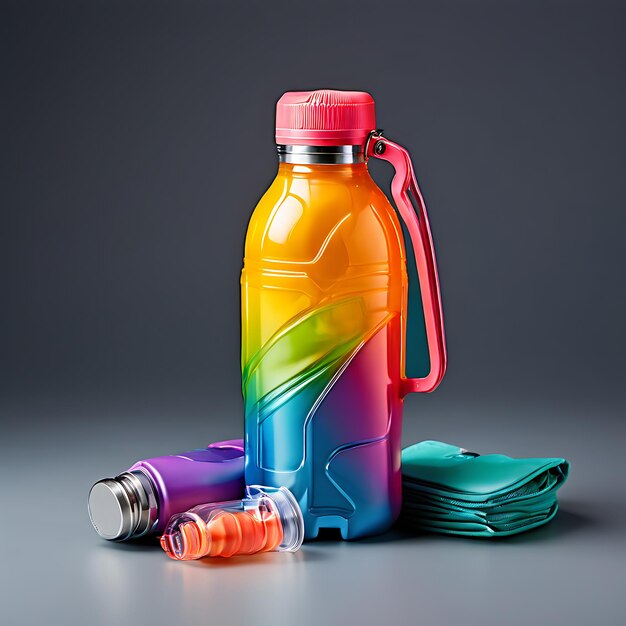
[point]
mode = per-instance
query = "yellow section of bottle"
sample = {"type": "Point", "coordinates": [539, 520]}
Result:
{"type": "Point", "coordinates": [322, 235]}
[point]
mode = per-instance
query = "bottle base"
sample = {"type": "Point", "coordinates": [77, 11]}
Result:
{"type": "Point", "coordinates": [348, 529]}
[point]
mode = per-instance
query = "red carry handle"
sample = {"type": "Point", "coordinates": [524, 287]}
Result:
{"type": "Point", "coordinates": [416, 220]}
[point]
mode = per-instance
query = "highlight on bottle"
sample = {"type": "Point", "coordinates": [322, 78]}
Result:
{"type": "Point", "coordinates": [267, 519]}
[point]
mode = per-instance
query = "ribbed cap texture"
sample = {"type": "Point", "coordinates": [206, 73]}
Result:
{"type": "Point", "coordinates": [324, 117]}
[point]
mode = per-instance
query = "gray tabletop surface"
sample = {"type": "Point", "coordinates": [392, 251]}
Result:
{"type": "Point", "coordinates": [55, 569]}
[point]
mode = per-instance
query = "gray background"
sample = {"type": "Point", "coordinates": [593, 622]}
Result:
{"type": "Point", "coordinates": [136, 139]}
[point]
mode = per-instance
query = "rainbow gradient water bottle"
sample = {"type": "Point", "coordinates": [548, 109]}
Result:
{"type": "Point", "coordinates": [324, 301]}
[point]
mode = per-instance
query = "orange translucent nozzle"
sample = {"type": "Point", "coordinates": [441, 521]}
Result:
{"type": "Point", "coordinates": [263, 522]}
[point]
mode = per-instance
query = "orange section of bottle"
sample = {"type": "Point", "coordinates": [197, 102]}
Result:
{"type": "Point", "coordinates": [320, 235]}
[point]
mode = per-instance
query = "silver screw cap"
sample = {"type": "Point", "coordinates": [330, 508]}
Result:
{"type": "Point", "coordinates": [122, 507]}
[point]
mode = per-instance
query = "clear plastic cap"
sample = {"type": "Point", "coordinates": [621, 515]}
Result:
{"type": "Point", "coordinates": [267, 519]}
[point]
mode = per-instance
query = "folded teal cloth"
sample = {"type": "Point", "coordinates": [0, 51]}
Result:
{"type": "Point", "coordinates": [447, 489]}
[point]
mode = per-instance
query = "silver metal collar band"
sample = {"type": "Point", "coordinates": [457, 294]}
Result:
{"type": "Point", "coordinates": [329, 155]}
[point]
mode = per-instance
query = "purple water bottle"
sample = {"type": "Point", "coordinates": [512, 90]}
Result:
{"type": "Point", "coordinates": [141, 500]}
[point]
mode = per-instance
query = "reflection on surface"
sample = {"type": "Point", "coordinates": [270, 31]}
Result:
{"type": "Point", "coordinates": [204, 584]}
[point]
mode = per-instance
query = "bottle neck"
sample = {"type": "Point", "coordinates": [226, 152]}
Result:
{"type": "Point", "coordinates": [320, 155]}
{"type": "Point", "coordinates": [345, 171]}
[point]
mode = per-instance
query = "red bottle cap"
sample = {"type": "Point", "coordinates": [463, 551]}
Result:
{"type": "Point", "coordinates": [324, 117]}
